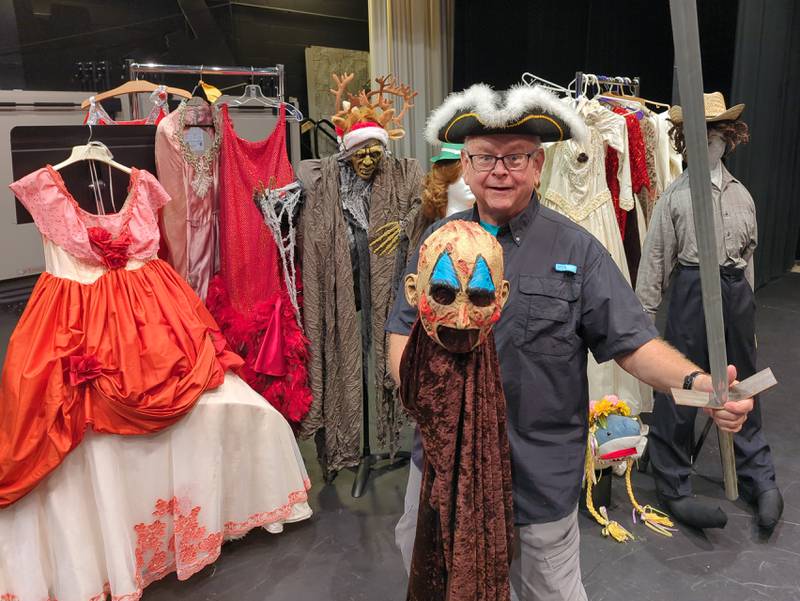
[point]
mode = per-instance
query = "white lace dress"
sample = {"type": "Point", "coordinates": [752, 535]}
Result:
{"type": "Point", "coordinates": [574, 184]}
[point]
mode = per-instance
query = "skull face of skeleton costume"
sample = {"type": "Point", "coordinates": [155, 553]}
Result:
{"type": "Point", "coordinates": [365, 160]}
{"type": "Point", "coordinates": [459, 288]}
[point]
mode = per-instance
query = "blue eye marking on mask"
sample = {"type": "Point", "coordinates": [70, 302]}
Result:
{"type": "Point", "coordinates": [444, 272]}
{"type": "Point", "coordinates": [481, 276]}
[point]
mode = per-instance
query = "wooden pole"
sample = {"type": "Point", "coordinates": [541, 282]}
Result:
{"type": "Point", "coordinates": [690, 85]}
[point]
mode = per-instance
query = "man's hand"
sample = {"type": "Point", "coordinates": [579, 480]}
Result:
{"type": "Point", "coordinates": [733, 414]}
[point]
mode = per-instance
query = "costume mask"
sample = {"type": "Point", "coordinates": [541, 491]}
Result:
{"type": "Point", "coordinates": [365, 160]}
{"type": "Point", "coordinates": [716, 150]}
{"type": "Point", "coordinates": [459, 287]}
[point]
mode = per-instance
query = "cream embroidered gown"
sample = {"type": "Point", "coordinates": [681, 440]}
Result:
{"type": "Point", "coordinates": [574, 184]}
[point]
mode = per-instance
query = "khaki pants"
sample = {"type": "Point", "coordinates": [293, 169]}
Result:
{"type": "Point", "coordinates": [546, 565]}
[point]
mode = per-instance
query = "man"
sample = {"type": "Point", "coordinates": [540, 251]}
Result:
{"type": "Point", "coordinates": [567, 296]}
{"type": "Point", "coordinates": [671, 248]}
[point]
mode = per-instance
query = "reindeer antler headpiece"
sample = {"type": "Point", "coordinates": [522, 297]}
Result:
{"type": "Point", "coordinates": [370, 114]}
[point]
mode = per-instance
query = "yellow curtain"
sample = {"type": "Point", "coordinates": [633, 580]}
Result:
{"type": "Point", "coordinates": [413, 40]}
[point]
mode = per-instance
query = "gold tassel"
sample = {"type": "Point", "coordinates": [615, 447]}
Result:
{"type": "Point", "coordinates": [653, 518]}
{"type": "Point", "coordinates": [610, 528]}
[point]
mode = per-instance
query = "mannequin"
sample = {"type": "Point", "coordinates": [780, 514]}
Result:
{"type": "Point", "coordinates": [670, 251]}
{"type": "Point", "coordinates": [445, 192]}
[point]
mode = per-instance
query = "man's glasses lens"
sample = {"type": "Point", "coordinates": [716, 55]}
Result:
{"type": "Point", "coordinates": [486, 162]}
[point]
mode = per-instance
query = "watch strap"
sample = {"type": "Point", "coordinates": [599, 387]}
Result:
{"type": "Point", "coordinates": [688, 381]}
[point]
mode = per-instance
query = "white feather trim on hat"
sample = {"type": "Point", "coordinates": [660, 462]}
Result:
{"type": "Point", "coordinates": [486, 103]}
{"type": "Point", "coordinates": [521, 99]}
{"type": "Point", "coordinates": [478, 96]}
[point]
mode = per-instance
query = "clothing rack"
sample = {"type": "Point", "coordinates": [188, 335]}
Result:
{"type": "Point", "coordinates": [136, 68]}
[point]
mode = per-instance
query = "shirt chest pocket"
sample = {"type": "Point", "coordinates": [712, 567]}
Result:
{"type": "Point", "coordinates": [546, 322]}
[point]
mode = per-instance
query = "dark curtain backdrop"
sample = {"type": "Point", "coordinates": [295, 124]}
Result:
{"type": "Point", "coordinates": [766, 78]}
{"type": "Point", "coordinates": [555, 39]}
{"type": "Point", "coordinates": [750, 52]}
{"type": "Point", "coordinates": [42, 40]}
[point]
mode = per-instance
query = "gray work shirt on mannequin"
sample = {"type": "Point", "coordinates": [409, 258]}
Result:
{"type": "Point", "coordinates": [567, 296]}
{"type": "Point", "coordinates": [671, 237]}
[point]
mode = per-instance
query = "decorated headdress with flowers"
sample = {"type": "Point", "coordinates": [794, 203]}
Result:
{"type": "Point", "coordinates": [370, 114]}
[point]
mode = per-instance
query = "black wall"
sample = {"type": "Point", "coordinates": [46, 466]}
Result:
{"type": "Point", "coordinates": [555, 39]}
{"type": "Point", "coordinates": [53, 35]}
{"type": "Point", "coordinates": [767, 79]}
{"type": "Point", "coordinates": [284, 28]}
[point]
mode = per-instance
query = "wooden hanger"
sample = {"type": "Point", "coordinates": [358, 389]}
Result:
{"type": "Point", "coordinates": [92, 151]}
{"type": "Point", "coordinates": [635, 99]}
{"type": "Point", "coordinates": [135, 86]}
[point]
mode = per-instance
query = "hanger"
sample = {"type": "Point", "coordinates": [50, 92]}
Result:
{"type": "Point", "coordinates": [135, 86]}
{"type": "Point", "coordinates": [253, 93]}
{"type": "Point", "coordinates": [589, 79]}
{"type": "Point", "coordinates": [529, 79]}
{"type": "Point", "coordinates": [618, 96]}
{"type": "Point", "coordinates": [197, 99]}
{"type": "Point", "coordinates": [92, 151]}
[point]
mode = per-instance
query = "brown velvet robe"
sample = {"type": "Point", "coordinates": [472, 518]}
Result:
{"type": "Point", "coordinates": [330, 318]}
{"type": "Point", "coordinates": [465, 527]}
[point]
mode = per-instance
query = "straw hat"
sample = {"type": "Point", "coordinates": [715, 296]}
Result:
{"type": "Point", "coordinates": [714, 108]}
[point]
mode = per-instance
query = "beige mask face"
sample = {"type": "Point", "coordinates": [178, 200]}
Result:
{"type": "Point", "coordinates": [365, 160]}
{"type": "Point", "coordinates": [459, 288]}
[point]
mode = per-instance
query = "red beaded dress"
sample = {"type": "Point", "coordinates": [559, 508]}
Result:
{"type": "Point", "coordinates": [640, 180]}
{"type": "Point", "coordinates": [248, 296]}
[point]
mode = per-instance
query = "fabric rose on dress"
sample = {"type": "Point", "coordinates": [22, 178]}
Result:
{"type": "Point", "coordinates": [83, 368]}
{"type": "Point", "coordinates": [113, 251]}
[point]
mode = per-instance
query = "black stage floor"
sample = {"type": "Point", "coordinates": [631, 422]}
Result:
{"type": "Point", "coordinates": [346, 551]}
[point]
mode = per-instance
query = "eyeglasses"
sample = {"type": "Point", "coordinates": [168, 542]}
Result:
{"type": "Point", "coordinates": [513, 162]}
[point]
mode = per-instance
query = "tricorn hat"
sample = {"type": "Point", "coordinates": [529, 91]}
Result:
{"type": "Point", "coordinates": [480, 111]}
{"type": "Point", "coordinates": [715, 110]}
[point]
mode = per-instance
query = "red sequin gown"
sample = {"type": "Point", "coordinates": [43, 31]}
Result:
{"type": "Point", "coordinates": [248, 297]}
{"type": "Point", "coordinates": [640, 180]}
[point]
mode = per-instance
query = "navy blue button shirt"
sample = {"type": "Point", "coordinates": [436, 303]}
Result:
{"type": "Point", "coordinates": [567, 296]}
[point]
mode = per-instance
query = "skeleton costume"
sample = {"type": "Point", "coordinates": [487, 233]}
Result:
{"type": "Point", "coordinates": [357, 224]}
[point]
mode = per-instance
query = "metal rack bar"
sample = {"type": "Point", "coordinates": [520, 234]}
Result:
{"type": "Point", "coordinates": [136, 68]}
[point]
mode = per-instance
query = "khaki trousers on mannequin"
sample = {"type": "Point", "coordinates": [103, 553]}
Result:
{"type": "Point", "coordinates": [546, 565]}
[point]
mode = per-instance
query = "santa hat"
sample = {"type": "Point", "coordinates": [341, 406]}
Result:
{"type": "Point", "coordinates": [360, 133]}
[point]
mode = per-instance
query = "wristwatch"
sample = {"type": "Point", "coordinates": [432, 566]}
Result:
{"type": "Point", "coordinates": [688, 381]}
